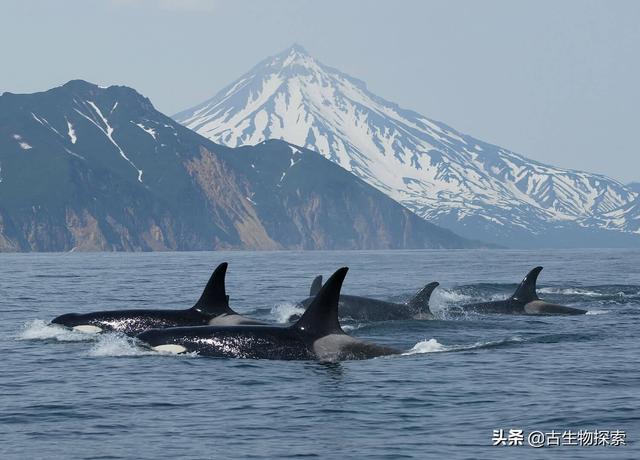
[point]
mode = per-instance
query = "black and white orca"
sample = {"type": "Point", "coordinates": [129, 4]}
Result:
{"type": "Point", "coordinates": [211, 308]}
{"type": "Point", "coordinates": [317, 335]}
{"type": "Point", "coordinates": [524, 301]}
{"type": "Point", "coordinates": [359, 308]}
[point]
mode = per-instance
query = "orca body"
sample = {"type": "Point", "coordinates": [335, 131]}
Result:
{"type": "Point", "coordinates": [316, 335]}
{"type": "Point", "coordinates": [524, 301]}
{"type": "Point", "coordinates": [367, 309]}
{"type": "Point", "coordinates": [211, 308]}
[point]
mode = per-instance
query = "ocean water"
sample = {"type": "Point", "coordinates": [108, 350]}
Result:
{"type": "Point", "coordinates": [71, 395]}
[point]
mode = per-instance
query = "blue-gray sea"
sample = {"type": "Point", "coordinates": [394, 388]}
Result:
{"type": "Point", "coordinates": [70, 395]}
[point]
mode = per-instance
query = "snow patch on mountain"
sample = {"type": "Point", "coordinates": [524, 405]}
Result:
{"type": "Point", "coordinates": [23, 145]}
{"type": "Point", "coordinates": [71, 132]}
{"type": "Point", "coordinates": [108, 131]}
{"type": "Point", "coordinates": [150, 131]}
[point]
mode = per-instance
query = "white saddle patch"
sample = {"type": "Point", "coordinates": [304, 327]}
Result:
{"type": "Point", "coordinates": [328, 348]}
{"type": "Point", "coordinates": [227, 320]}
{"type": "Point", "coordinates": [170, 348]}
{"type": "Point", "coordinates": [535, 307]}
{"type": "Point", "coordinates": [87, 329]}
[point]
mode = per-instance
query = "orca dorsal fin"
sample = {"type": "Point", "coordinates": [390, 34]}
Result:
{"type": "Point", "coordinates": [214, 300]}
{"type": "Point", "coordinates": [526, 292]}
{"type": "Point", "coordinates": [315, 286]}
{"type": "Point", "coordinates": [321, 317]}
{"type": "Point", "coordinates": [420, 302]}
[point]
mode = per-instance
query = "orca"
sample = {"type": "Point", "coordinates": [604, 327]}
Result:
{"type": "Point", "coordinates": [524, 301]}
{"type": "Point", "coordinates": [211, 308]}
{"type": "Point", "coordinates": [317, 335]}
{"type": "Point", "coordinates": [367, 309]}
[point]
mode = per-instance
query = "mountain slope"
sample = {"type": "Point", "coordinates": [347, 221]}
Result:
{"type": "Point", "coordinates": [635, 186]}
{"type": "Point", "coordinates": [452, 179]}
{"type": "Point", "coordinates": [90, 168]}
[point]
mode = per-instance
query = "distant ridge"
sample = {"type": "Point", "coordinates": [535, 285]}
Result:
{"type": "Point", "coordinates": [100, 169]}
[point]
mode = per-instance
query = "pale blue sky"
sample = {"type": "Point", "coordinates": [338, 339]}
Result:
{"type": "Point", "coordinates": [557, 81]}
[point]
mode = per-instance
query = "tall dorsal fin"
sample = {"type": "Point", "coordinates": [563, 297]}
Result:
{"type": "Point", "coordinates": [526, 292]}
{"type": "Point", "coordinates": [214, 300]}
{"type": "Point", "coordinates": [420, 302]}
{"type": "Point", "coordinates": [321, 318]}
{"type": "Point", "coordinates": [315, 286]}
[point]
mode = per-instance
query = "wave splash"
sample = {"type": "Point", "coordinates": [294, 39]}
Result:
{"type": "Point", "coordinates": [283, 311]}
{"type": "Point", "coordinates": [117, 345]}
{"type": "Point", "coordinates": [38, 329]}
{"type": "Point", "coordinates": [425, 346]}
{"type": "Point", "coordinates": [433, 346]}
{"type": "Point", "coordinates": [570, 291]}
{"type": "Point", "coordinates": [444, 297]}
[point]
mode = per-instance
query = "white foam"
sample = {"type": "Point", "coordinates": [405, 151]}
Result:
{"type": "Point", "coordinates": [426, 346]}
{"type": "Point", "coordinates": [43, 330]}
{"type": "Point", "coordinates": [489, 343]}
{"type": "Point", "coordinates": [283, 311]}
{"type": "Point", "coordinates": [597, 312]}
{"type": "Point", "coordinates": [433, 346]}
{"type": "Point", "coordinates": [351, 326]}
{"type": "Point", "coordinates": [443, 299]}
{"type": "Point", "coordinates": [499, 296]}
{"type": "Point", "coordinates": [446, 296]}
{"type": "Point", "coordinates": [117, 345]}
{"type": "Point", "coordinates": [570, 291]}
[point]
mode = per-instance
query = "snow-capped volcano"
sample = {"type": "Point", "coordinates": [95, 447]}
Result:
{"type": "Point", "coordinates": [450, 178]}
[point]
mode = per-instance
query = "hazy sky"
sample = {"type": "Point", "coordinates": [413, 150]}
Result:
{"type": "Point", "coordinates": [557, 81]}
